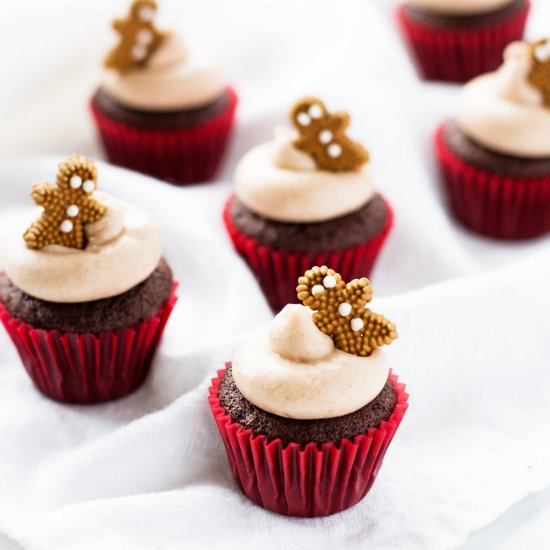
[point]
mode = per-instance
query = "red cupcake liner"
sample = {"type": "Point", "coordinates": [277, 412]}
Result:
{"type": "Point", "coordinates": [88, 368]}
{"type": "Point", "coordinates": [492, 204]}
{"type": "Point", "coordinates": [458, 55]}
{"type": "Point", "coordinates": [311, 481]}
{"type": "Point", "coordinates": [184, 155]}
{"type": "Point", "coordinates": [277, 272]}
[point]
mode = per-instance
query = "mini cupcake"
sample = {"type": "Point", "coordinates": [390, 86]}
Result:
{"type": "Point", "coordinates": [495, 156]}
{"type": "Point", "coordinates": [456, 40]}
{"type": "Point", "coordinates": [163, 108]}
{"type": "Point", "coordinates": [306, 198]}
{"type": "Point", "coordinates": [86, 293]}
{"type": "Point", "coordinates": [309, 405]}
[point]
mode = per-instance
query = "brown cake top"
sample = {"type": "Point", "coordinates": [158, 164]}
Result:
{"type": "Point", "coordinates": [323, 136]}
{"type": "Point", "coordinates": [139, 38]}
{"type": "Point", "coordinates": [67, 206]}
{"type": "Point", "coordinates": [540, 73]}
{"type": "Point", "coordinates": [341, 312]}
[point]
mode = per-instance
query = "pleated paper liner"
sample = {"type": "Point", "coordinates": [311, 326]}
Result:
{"type": "Point", "coordinates": [88, 368]}
{"type": "Point", "coordinates": [492, 204]}
{"type": "Point", "coordinates": [181, 156]}
{"type": "Point", "coordinates": [277, 272]}
{"type": "Point", "coordinates": [315, 480]}
{"type": "Point", "coordinates": [458, 55]}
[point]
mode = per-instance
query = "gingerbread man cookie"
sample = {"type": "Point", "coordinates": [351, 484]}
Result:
{"type": "Point", "coordinates": [341, 313]}
{"type": "Point", "coordinates": [323, 136]}
{"type": "Point", "coordinates": [540, 74]}
{"type": "Point", "coordinates": [68, 206]}
{"type": "Point", "coordinates": [139, 38]}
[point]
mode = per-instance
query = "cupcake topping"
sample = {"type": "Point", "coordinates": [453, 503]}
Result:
{"type": "Point", "coordinates": [68, 206]}
{"type": "Point", "coordinates": [85, 245]}
{"type": "Point", "coordinates": [540, 73]}
{"type": "Point", "coordinates": [295, 368]}
{"type": "Point", "coordinates": [507, 111]}
{"type": "Point", "coordinates": [139, 38]}
{"type": "Point", "coordinates": [322, 135]}
{"type": "Point", "coordinates": [283, 182]}
{"type": "Point", "coordinates": [341, 311]}
{"type": "Point", "coordinates": [157, 72]}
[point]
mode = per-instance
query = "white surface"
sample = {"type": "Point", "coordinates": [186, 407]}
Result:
{"type": "Point", "coordinates": [149, 471]}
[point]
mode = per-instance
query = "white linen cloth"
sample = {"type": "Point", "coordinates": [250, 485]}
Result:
{"type": "Point", "coordinates": [150, 471]}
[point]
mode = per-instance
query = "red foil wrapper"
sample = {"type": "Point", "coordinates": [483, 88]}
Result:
{"type": "Point", "coordinates": [277, 271]}
{"type": "Point", "coordinates": [316, 480]}
{"type": "Point", "coordinates": [88, 368]}
{"type": "Point", "coordinates": [181, 156]}
{"type": "Point", "coordinates": [460, 54]}
{"type": "Point", "coordinates": [492, 204]}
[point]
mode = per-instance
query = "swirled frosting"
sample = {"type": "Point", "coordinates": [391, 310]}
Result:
{"type": "Point", "coordinates": [281, 183]}
{"type": "Point", "coordinates": [175, 78]}
{"type": "Point", "coordinates": [124, 248]}
{"type": "Point", "coordinates": [459, 7]}
{"type": "Point", "coordinates": [293, 370]}
{"type": "Point", "coordinates": [504, 112]}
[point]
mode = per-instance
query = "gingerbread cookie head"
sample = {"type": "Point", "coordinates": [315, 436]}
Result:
{"type": "Point", "coordinates": [323, 136]}
{"type": "Point", "coordinates": [540, 73]}
{"type": "Point", "coordinates": [67, 206]}
{"type": "Point", "coordinates": [341, 312]}
{"type": "Point", "coordinates": [139, 38]}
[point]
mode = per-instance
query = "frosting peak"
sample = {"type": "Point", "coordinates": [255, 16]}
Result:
{"type": "Point", "coordinates": [293, 336]}
{"type": "Point", "coordinates": [287, 156]}
{"type": "Point", "coordinates": [504, 111]}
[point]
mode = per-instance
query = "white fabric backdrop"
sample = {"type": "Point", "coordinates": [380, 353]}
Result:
{"type": "Point", "coordinates": [149, 471]}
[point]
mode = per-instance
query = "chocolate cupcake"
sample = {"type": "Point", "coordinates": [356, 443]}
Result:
{"type": "Point", "coordinates": [163, 107]}
{"type": "Point", "coordinates": [86, 293]}
{"type": "Point", "coordinates": [309, 405]}
{"type": "Point", "coordinates": [456, 40]}
{"type": "Point", "coordinates": [495, 155]}
{"type": "Point", "coordinates": [306, 198]}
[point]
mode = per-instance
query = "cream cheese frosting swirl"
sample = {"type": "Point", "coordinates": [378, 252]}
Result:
{"type": "Point", "coordinates": [175, 78]}
{"type": "Point", "coordinates": [293, 370]}
{"type": "Point", "coordinates": [281, 183]}
{"type": "Point", "coordinates": [504, 112]}
{"type": "Point", "coordinates": [124, 248]}
{"type": "Point", "coordinates": [459, 7]}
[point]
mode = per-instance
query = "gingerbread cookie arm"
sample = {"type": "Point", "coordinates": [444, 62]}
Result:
{"type": "Point", "coordinates": [44, 195]}
{"type": "Point", "coordinates": [341, 120]}
{"type": "Point", "coordinates": [119, 25]}
{"type": "Point", "coordinates": [92, 211]}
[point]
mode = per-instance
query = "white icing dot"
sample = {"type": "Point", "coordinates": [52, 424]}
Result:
{"type": "Point", "coordinates": [315, 111]}
{"type": "Point", "coordinates": [139, 52]}
{"type": "Point", "coordinates": [147, 14]}
{"type": "Point", "coordinates": [357, 324]}
{"type": "Point", "coordinates": [73, 211]}
{"type": "Point", "coordinates": [334, 150]}
{"type": "Point", "coordinates": [67, 226]}
{"type": "Point", "coordinates": [329, 281]}
{"type": "Point", "coordinates": [303, 119]}
{"type": "Point", "coordinates": [325, 137]}
{"type": "Point", "coordinates": [88, 186]}
{"type": "Point", "coordinates": [76, 182]}
{"type": "Point", "coordinates": [144, 37]}
{"type": "Point", "coordinates": [542, 52]}
{"type": "Point", "coordinates": [344, 309]}
{"type": "Point", "coordinates": [317, 289]}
